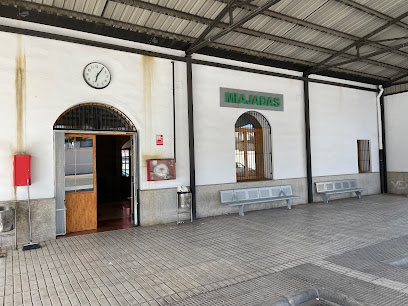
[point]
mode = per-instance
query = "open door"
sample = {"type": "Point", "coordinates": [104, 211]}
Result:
{"type": "Point", "coordinates": [80, 182]}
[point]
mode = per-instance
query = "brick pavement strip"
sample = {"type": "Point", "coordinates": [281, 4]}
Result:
{"type": "Point", "coordinates": [227, 260]}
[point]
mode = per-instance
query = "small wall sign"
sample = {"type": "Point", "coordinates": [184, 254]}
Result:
{"type": "Point", "coordinates": [159, 140]}
{"type": "Point", "coordinates": [238, 98]}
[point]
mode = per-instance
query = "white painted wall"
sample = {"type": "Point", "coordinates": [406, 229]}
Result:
{"type": "Point", "coordinates": [215, 126]}
{"type": "Point", "coordinates": [338, 118]}
{"type": "Point", "coordinates": [396, 127]}
{"type": "Point", "coordinates": [141, 88]}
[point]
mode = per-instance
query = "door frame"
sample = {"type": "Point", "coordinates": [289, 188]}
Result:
{"type": "Point", "coordinates": [135, 182]}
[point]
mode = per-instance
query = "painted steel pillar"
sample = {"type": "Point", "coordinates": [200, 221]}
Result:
{"type": "Point", "coordinates": [191, 134]}
{"type": "Point", "coordinates": [382, 153]}
{"type": "Point", "coordinates": [307, 137]}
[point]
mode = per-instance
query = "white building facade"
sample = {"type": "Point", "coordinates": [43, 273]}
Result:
{"type": "Point", "coordinates": [42, 78]}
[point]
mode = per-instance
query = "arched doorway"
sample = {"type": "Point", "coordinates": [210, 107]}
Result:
{"type": "Point", "coordinates": [96, 169]}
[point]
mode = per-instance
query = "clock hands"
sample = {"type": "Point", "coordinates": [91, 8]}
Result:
{"type": "Point", "coordinates": [98, 74]}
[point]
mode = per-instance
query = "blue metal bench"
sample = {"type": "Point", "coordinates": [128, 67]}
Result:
{"type": "Point", "coordinates": [325, 189]}
{"type": "Point", "coordinates": [242, 197]}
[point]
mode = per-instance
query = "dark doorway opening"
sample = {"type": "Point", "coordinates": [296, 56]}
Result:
{"type": "Point", "coordinates": [113, 164]}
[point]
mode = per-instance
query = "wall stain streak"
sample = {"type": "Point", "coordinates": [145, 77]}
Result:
{"type": "Point", "coordinates": [148, 64]}
{"type": "Point", "coordinates": [149, 70]}
{"type": "Point", "coordinates": [20, 86]}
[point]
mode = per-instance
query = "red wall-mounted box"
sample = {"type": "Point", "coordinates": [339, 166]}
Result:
{"type": "Point", "coordinates": [161, 169]}
{"type": "Point", "coordinates": [22, 170]}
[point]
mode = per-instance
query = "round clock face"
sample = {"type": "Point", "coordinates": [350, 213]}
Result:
{"type": "Point", "coordinates": [161, 170]}
{"type": "Point", "coordinates": [97, 75]}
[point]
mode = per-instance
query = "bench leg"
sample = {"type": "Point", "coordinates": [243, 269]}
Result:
{"type": "Point", "coordinates": [325, 198]}
{"type": "Point", "coordinates": [358, 194]}
{"type": "Point", "coordinates": [241, 210]}
{"type": "Point", "coordinates": [288, 202]}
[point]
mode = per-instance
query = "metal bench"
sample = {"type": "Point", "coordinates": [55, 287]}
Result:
{"type": "Point", "coordinates": [325, 189]}
{"type": "Point", "coordinates": [242, 197]}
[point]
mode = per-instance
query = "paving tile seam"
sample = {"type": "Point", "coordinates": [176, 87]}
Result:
{"type": "Point", "coordinates": [366, 277]}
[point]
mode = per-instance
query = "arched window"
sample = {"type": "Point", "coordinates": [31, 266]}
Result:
{"type": "Point", "coordinates": [93, 117]}
{"type": "Point", "coordinates": [253, 148]}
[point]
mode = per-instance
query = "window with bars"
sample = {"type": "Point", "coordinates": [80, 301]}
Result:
{"type": "Point", "coordinates": [95, 117]}
{"type": "Point", "coordinates": [364, 158]}
{"type": "Point", "coordinates": [253, 147]}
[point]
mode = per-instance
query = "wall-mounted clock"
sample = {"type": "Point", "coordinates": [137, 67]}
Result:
{"type": "Point", "coordinates": [97, 75]}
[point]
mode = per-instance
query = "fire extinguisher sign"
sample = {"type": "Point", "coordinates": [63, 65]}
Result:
{"type": "Point", "coordinates": [159, 140]}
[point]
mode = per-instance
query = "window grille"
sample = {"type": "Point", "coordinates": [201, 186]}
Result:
{"type": "Point", "coordinates": [364, 158]}
{"type": "Point", "coordinates": [253, 147]}
{"type": "Point", "coordinates": [94, 117]}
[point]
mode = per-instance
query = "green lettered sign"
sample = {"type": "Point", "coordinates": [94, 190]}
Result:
{"type": "Point", "coordinates": [238, 98]}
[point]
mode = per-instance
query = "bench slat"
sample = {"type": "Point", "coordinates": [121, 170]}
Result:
{"type": "Point", "coordinates": [227, 196]}
{"type": "Point", "coordinates": [345, 191]}
{"type": "Point", "coordinates": [265, 200]}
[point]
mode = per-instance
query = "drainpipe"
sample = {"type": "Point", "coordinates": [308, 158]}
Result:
{"type": "Point", "coordinates": [381, 139]}
{"type": "Point", "coordinates": [307, 137]}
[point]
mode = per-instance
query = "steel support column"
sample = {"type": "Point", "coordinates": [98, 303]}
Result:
{"type": "Point", "coordinates": [191, 133]}
{"type": "Point", "coordinates": [307, 134]}
{"type": "Point", "coordinates": [382, 152]}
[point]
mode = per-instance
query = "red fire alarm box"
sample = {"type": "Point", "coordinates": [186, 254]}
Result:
{"type": "Point", "coordinates": [22, 170]}
{"type": "Point", "coordinates": [161, 169]}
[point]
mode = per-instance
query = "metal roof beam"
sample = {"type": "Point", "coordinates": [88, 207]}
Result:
{"type": "Point", "coordinates": [373, 12]}
{"type": "Point", "coordinates": [387, 85]}
{"type": "Point", "coordinates": [177, 37]}
{"type": "Point", "coordinates": [227, 10]}
{"type": "Point", "coordinates": [315, 26]}
{"type": "Point", "coordinates": [394, 80]}
{"type": "Point", "coordinates": [93, 18]}
{"type": "Point", "coordinates": [361, 40]}
{"type": "Point", "coordinates": [293, 60]}
{"type": "Point", "coordinates": [233, 26]}
{"type": "Point", "coordinates": [363, 58]}
{"type": "Point", "coordinates": [199, 19]}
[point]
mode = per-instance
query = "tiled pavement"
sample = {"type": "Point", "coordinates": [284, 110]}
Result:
{"type": "Point", "coordinates": [345, 246]}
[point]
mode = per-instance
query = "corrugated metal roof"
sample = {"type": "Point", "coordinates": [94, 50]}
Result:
{"type": "Point", "coordinates": [305, 32]}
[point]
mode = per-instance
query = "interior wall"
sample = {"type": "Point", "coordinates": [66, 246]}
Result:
{"type": "Point", "coordinates": [111, 185]}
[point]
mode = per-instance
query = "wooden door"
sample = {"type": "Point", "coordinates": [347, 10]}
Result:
{"type": "Point", "coordinates": [80, 182]}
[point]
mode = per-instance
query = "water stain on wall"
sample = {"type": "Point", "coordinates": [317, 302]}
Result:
{"type": "Point", "coordinates": [148, 64]}
{"type": "Point", "coordinates": [152, 156]}
{"type": "Point", "coordinates": [20, 104]}
{"type": "Point", "coordinates": [149, 71]}
{"type": "Point", "coordinates": [20, 85]}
